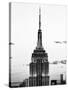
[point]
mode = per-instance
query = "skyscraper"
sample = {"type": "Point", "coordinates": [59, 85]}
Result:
{"type": "Point", "coordinates": [39, 66]}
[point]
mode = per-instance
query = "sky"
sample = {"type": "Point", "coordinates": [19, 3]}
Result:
{"type": "Point", "coordinates": [24, 29]}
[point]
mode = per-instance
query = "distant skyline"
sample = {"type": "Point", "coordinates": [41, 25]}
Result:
{"type": "Point", "coordinates": [24, 28]}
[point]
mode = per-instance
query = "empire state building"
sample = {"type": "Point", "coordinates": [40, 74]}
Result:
{"type": "Point", "coordinates": [39, 66]}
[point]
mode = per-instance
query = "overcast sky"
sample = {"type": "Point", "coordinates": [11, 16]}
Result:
{"type": "Point", "coordinates": [24, 28]}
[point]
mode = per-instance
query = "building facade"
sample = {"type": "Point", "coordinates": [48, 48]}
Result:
{"type": "Point", "coordinates": [39, 66]}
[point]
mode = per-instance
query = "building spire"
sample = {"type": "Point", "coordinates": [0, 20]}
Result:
{"type": "Point", "coordinates": [39, 18]}
{"type": "Point", "coordinates": [39, 42]}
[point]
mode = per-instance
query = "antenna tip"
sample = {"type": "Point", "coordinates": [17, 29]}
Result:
{"type": "Point", "coordinates": [39, 10]}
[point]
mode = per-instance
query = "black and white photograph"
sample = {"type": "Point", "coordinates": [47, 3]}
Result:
{"type": "Point", "coordinates": [37, 44]}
